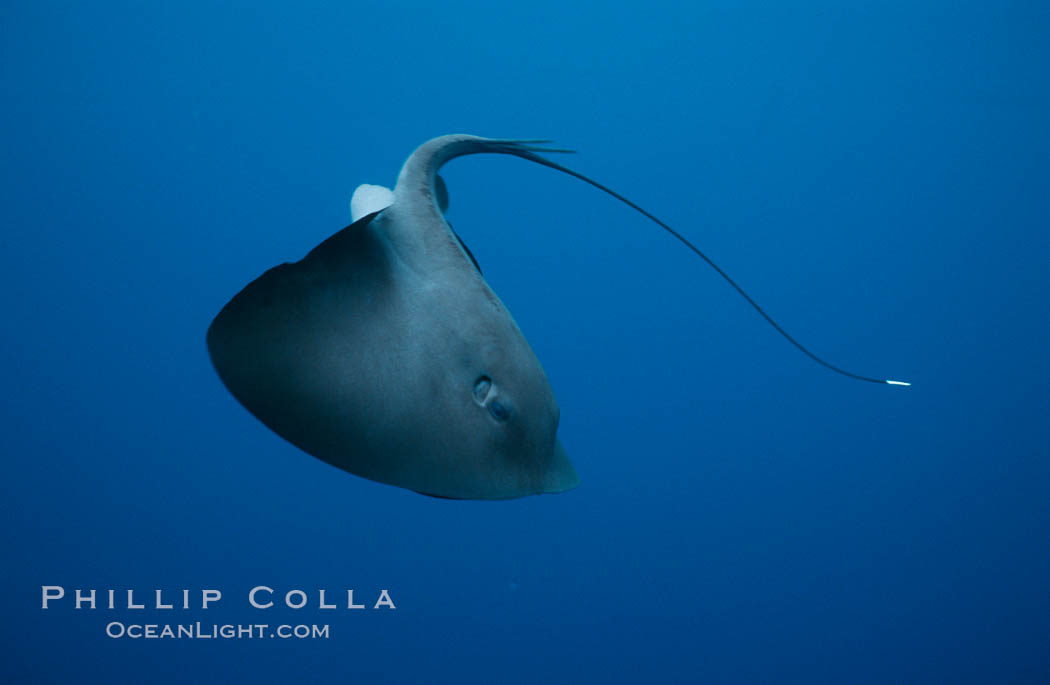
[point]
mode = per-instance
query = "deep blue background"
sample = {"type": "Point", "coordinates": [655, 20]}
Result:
{"type": "Point", "coordinates": [876, 175]}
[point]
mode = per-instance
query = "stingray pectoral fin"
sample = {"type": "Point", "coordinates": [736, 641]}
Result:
{"type": "Point", "coordinates": [561, 475]}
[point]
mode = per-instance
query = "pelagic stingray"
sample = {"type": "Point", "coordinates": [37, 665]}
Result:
{"type": "Point", "coordinates": [384, 351]}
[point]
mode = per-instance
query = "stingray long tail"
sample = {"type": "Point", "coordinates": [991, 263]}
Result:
{"type": "Point", "coordinates": [423, 165]}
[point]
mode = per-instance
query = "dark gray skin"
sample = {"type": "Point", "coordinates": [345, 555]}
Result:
{"type": "Point", "coordinates": [385, 353]}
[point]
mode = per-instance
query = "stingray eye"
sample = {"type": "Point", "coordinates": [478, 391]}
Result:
{"type": "Point", "coordinates": [499, 411]}
{"type": "Point", "coordinates": [482, 386]}
{"type": "Point", "coordinates": [485, 395]}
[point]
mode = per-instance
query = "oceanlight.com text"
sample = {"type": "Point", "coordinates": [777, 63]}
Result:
{"type": "Point", "coordinates": [206, 631]}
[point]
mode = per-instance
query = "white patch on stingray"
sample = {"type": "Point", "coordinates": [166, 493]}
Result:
{"type": "Point", "coordinates": [369, 198]}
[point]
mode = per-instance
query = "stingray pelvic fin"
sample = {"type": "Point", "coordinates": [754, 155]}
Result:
{"type": "Point", "coordinates": [369, 198]}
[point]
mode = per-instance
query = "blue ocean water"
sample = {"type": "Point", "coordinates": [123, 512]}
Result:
{"type": "Point", "coordinates": [876, 175]}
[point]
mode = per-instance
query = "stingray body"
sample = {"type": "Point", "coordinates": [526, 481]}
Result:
{"type": "Point", "coordinates": [385, 353]}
